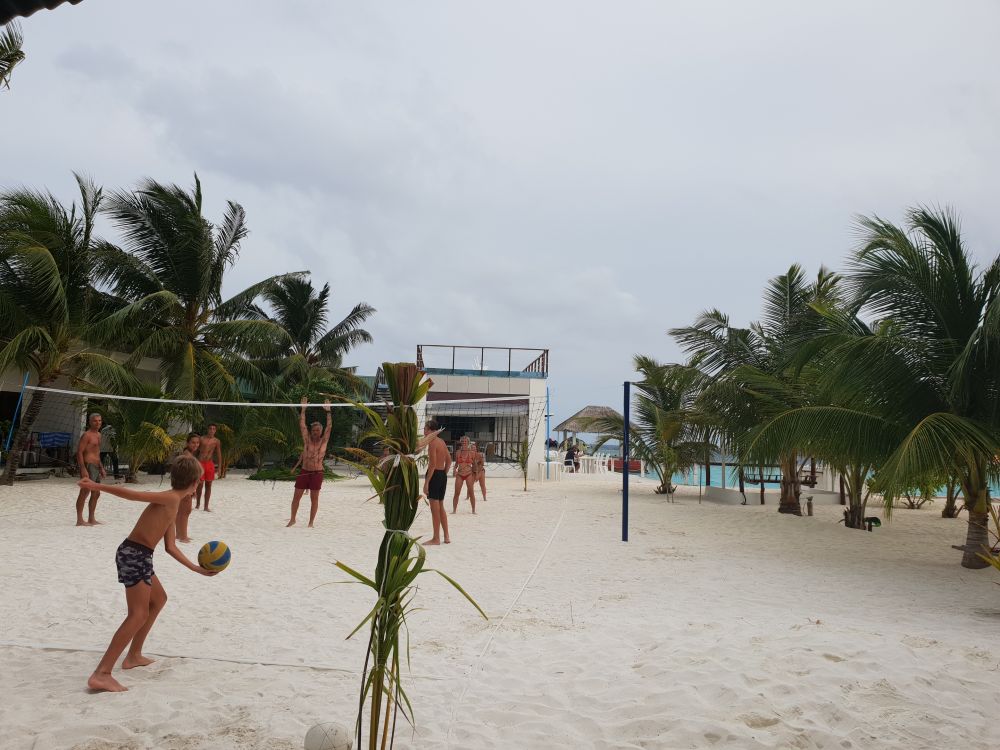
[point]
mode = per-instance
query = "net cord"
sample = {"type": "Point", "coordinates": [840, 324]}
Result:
{"type": "Point", "coordinates": [99, 396]}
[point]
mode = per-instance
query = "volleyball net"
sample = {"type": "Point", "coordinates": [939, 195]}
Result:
{"type": "Point", "coordinates": [141, 435]}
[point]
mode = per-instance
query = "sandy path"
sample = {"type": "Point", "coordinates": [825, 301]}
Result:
{"type": "Point", "coordinates": [715, 626]}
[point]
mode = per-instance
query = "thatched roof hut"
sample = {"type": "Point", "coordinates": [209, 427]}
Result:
{"type": "Point", "coordinates": [579, 422]}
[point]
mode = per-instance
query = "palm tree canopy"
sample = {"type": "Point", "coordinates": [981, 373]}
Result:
{"type": "Point", "coordinates": [170, 270]}
{"type": "Point", "coordinates": [48, 306]}
{"type": "Point", "coordinates": [11, 42]}
{"type": "Point", "coordinates": [303, 312]}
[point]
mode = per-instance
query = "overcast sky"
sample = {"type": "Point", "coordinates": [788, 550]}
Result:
{"type": "Point", "coordinates": [573, 175]}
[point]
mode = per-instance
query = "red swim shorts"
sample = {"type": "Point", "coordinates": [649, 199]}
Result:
{"type": "Point", "coordinates": [309, 480]}
{"type": "Point", "coordinates": [208, 468]}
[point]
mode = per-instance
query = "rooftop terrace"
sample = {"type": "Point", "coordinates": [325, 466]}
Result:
{"type": "Point", "coordinates": [483, 361]}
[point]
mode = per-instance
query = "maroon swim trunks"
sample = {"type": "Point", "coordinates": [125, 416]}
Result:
{"type": "Point", "coordinates": [309, 480]}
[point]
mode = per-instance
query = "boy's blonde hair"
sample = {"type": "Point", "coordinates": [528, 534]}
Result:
{"type": "Point", "coordinates": [186, 471]}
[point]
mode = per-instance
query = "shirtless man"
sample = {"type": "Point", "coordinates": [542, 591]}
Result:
{"type": "Point", "coordinates": [88, 459]}
{"type": "Point", "coordinates": [310, 478]}
{"type": "Point", "coordinates": [436, 481]}
{"type": "Point", "coordinates": [210, 456]}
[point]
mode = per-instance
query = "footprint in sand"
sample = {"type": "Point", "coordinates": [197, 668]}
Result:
{"type": "Point", "coordinates": [756, 721]}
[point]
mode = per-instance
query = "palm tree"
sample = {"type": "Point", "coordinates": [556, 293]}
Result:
{"type": "Point", "coordinates": [140, 428]}
{"type": "Point", "coordinates": [921, 386]}
{"type": "Point", "coordinates": [11, 41]}
{"type": "Point", "coordinates": [170, 271]}
{"type": "Point", "coordinates": [49, 309]}
{"type": "Point", "coordinates": [665, 431]}
{"type": "Point", "coordinates": [752, 377]}
{"type": "Point", "coordinates": [247, 432]}
{"type": "Point", "coordinates": [303, 312]}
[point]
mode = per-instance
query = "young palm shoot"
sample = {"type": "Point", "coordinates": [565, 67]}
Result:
{"type": "Point", "coordinates": [401, 558]}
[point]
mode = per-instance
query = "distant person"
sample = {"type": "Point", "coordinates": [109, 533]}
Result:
{"type": "Point", "coordinates": [210, 456]}
{"type": "Point", "coordinates": [436, 480]}
{"type": "Point", "coordinates": [479, 468]}
{"type": "Point", "coordinates": [144, 594]}
{"type": "Point", "coordinates": [109, 448]}
{"type": "Point", "coordinates": [571, 461]}
{"type": "Point", "coordinates": [88, 461]}
{"type": "Point", "coordinates": [314, 442]}
{"type": "Point", "coordinates": [464, 474]}
{"type": "Point", "coordinates": [191, 448]}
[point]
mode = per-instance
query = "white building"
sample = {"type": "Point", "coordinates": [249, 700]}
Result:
{"type": "Point", "coordinates": [496, 396]}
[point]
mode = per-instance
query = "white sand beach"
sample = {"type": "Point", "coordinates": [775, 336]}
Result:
{"type": "Point", "coordinates": [715, 626]}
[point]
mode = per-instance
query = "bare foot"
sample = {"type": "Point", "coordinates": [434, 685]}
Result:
{"type": "Point", "coordinates": [185, 540]}
{"type": "Point", "coordinates": [290, 523]}
{"type": "Point", "coordinates": [81, 522]}
{"type": "Point", "coordinates": [105, 682]}
{"type": "Point", "coordinates": [454, 512]}
{"type": "Point", "coordinates": [473, 512]}
{"type": "Point", "coordinates": [447, 541]}
{"type": "Point", "coordinates": [432, 542]}
{"type": "Point", "coordinates": [131, 662]}
{"type": "Point", "coordinates": [93, 522]}
{"type": "Point", "coordinates": [311, 526]}
{"type": "Point", "coordinates": [207, 510]}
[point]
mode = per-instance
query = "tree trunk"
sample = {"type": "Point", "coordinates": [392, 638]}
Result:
{"type": "Point", "coordinates": [843, 492]}
{"type": "Point", "coordinates": [977, 541]}
{"type": "Point", "coordinates": [790, 489]}
{"type": "Point", "coordinates": [21, 436]}
{"type": "Point", "coordinates": [950, 509]}
{"type": "Point", "coordinates": [854, 516]}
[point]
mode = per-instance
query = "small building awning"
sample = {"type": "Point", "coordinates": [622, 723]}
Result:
{"type": "Point", "coordinates": [579, 422]}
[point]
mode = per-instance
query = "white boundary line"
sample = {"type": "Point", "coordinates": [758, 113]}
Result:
{"type": "Point", "coordinates": [500, 622]}
{"type": "Point", "coordinates": [500, 398]}
{"type": "Point", "coordinates": [260, 662]}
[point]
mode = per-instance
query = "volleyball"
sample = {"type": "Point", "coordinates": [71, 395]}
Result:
{"type": "Point", "coordinates": [328, 736]}
{"type": "Point", "coordinates": [214, 556]}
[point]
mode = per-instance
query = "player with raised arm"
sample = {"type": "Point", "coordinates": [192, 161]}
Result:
{"type": "Point", "coordinates": [314, 441]}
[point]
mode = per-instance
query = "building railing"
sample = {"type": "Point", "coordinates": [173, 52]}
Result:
{"type": "Point", "coordinates": [447, 361]}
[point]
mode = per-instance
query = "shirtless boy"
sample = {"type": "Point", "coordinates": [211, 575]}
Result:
{"type": "Point", "coordinates": [436, 481]}
{"type": "Point", "coordinates": [144, 594]}
{"type": "Point", "coordinates": [88, 459]}
{"type": "Point", "coordinates": [310, 478]}
{"type": "Point", "coordinates": [210, 456]}
{"type": "Point", "coordinates": [184, 509]}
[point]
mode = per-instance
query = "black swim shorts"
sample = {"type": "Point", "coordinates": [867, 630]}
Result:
{"type": "Point", "coordinates": [438, 485]}
{"type": "Point", "coordinates": [135, 563]}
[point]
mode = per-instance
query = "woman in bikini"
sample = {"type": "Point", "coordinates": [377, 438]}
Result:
{"type": "Point", "coordinates": [465, 474]}
{"type": "Point", "coordinates": [479, 468]}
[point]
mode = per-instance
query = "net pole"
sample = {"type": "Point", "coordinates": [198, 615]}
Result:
{"type": "Point", "coordinates": [548, 431]}
{"type": "Point", "coordinates": [625, 462]}
{"type": "Point", "coordinates": [17, 409]}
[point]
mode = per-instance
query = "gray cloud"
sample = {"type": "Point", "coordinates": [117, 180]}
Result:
{"type": "Point", "coordinates": [574, 175]}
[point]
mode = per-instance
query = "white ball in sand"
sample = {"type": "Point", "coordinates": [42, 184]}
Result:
{"type": "Point", "coordinates": [329, 736]}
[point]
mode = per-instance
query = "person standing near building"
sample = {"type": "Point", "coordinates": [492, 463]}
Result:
{"type": "Point", "coordinates": [436, 480]}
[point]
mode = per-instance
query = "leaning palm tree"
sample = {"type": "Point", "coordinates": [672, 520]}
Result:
{"type": "Point", "coordinates": [170, 270]}
{"type": "Point", "coordinates": [49, 309]}
{"type": "Point", "coordinates": [11, 41]}
{"type": "Point", "coordinates": [666, 431]}
{"type": "Point", "coordinates": [303, 313]}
